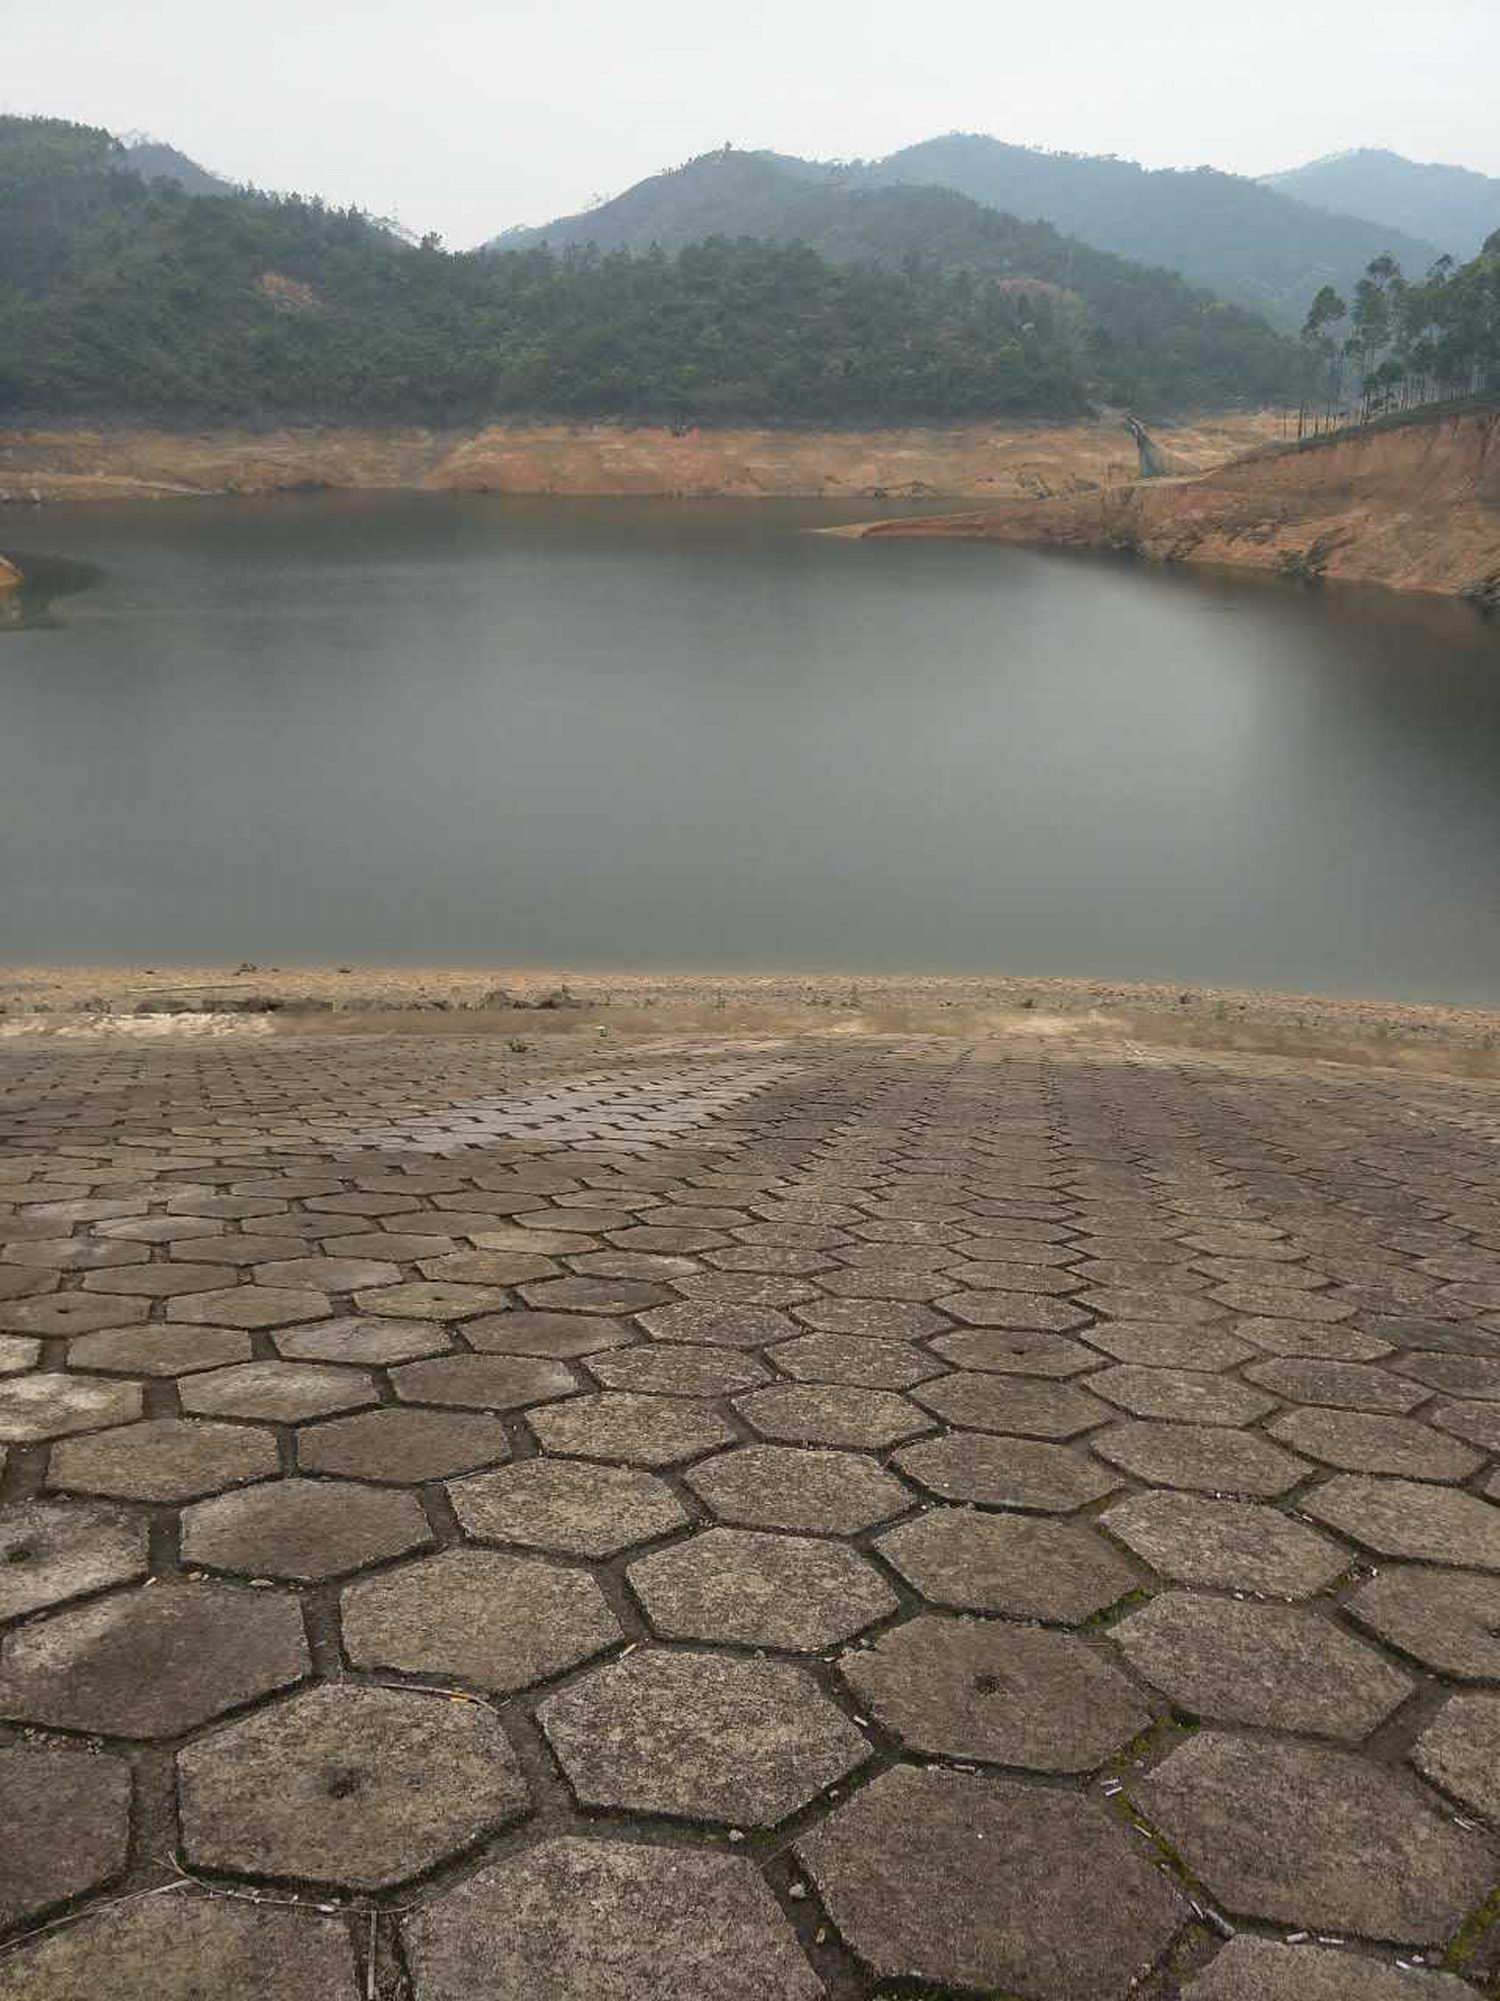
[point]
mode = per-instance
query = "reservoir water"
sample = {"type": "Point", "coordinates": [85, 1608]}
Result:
{"type": "Point", "coordinates": [471, 730]}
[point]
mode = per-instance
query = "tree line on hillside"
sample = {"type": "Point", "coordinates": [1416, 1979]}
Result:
{"type": "Point", "coordinates": [1170, 342]}
{"type": "Point", "coordinates": [122, 297]}
{"type": "Point", "coordinates": [1404, 342]}
{"type": "Point", "coordinates": [1251, 245]}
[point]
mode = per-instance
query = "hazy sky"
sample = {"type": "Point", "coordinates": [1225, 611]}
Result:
{"type": "Point", "coordinates": [468, 115]}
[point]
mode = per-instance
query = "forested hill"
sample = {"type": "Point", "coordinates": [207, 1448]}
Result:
{"type": "Point", "coordinates": [1152, 316]}
{"type": "Point", "coordinates": [1249, 243]}
{"type": "Point", "coordinates": [155, 162]}
{"type": "Point", "coordinates": [120, 296]}
{"type": "Point", "coordinates": [1450, 206]}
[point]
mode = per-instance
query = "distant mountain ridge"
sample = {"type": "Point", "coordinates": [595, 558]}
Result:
{"type": "Point", "coordinates": [1252, 244]}
{"type": "Point", "coordinates": [1453, 206]}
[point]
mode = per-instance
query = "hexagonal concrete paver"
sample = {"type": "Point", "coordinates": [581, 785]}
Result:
{"type": "Point", "coordinates": [164, 1459]}
{"type": "Point", "coordinates": [403, 1447]}
{"type": "Point", "coordinates": [591, 1219]}
{"type": "Point", "coordinates": [18, 1353]}
{"type": "Point", "coordinates": [1251, 1266]}
{"type": "Point", "coordinates": [1326, 1340]}
{"type": "Point", "coordinates": [819, 1414]}
{"type": "Point", "coordinates": [853, 1358]}
{"type": "Point", "coordinates": [330, 1273]}
{"type": "Point", "coordinates": [363, 1202]}
{"type": "Point", "coordinates": [606, 1296]}
{"type": "Point", "coordinates": [1454, 1375]}
{"type": "Point", "coordinates": [1460, 1751]}
{"type": "Point", "coordinates": [1258, 1969]}
{"type": "Point", "coordinates": [987, 1883]}
{"type": "Point", "coordinates": [1408, 1518]}
{"type": "Point", "coordinates": [277, 1392]}
{"type": "Point", "coordinates": [1278, 1667]}
{"type": "Point", "coordinates": [701, 1735]}
{"type": "Point", "coordinates": [502, 1268]}
{"type": "Point", "coordinates": [746, 1589]}
{"type": "Point", "coordinates": [429, 1299]}
{"type": "Point", "coordinates": [1462, 1336]}
{"type": "Point", "coordinates": [65, 1828]}
{"type": "Point", "coordinates": [722, 1326]}
{"type": "Point", "coordinates": [499, 1622]}
{"type": "Point", "coordinates": [1183, 1307]}
{"type": "Point", "coordinates": [74, 1254]}
{"type": "Point", "coordinates": [1003, 1694]}
{"type": "Point", "coordinates": [905, 1280]}
{"type": "Point", "coordinates": [184, 1947]}
{"type": "Point", "coordinates": [363, 1343]}
{"type": "Point", "coordinates": [626, 1425]}
{"type": "Point", "coordinates": [794, 1487]}
{"type": "Point", "coordinates": [360, 1788]}
{"type": "Point", "coordinates": [563, 1336]}
{"type": "Point", "coordinates": [43, 1406]}
{"type": "Point", "coordinates": [684, 1370]}
{"type": "Point", "coordinates": [1361, 1441]}
{"type": "Point", "coordinates": [65, 1314]}
{"type": "Point", "coordinates": [1347, 1385]}
{"type": "Point", "coordinates": [1010, 1564]}
{"type": "Point", "coordinates": [1478, 1423]}
{"type": "Point", "coordinates": [17, 1282]}
{"type": "Point", "coordinates": [236, 1252]}
{"type": "Point", "coordinates": [251, 1307]}
{"type": "Point", "coordinates": [1351, 1230]}
{"type": "Point", "coordinates": [1447, 1619]}
{"type": "Point", "coordinates": [720, 1289]}
{"type": "Point", "coordinates": [1008, 1353]}
{"type": "Point", "coordinates": [883, 1319]}
{"type": "Point", "coordinates": [1318, 1839]}
{"type": "Point", "coordinates": [152, 1662]}
{"type": "Point", "coordinates": [1023, 1407]}
{"type": "Point", "coordinates": [1156, 1344]}
{"type": "Point", "coordinates": [163, 1281]}
{"type": "Point", "coordinates": [567, 1506]}
{"type": "Point", "coordinates": [1017, 1242]}
{"type": "Point", "coordinates": [1026, 1312]}
{"type": "Point", "coordinates": [51, 1551]}
{"type": "Point", "coordinates": [302, 1530]}
{"type": "Point", "coordinates": [1188, 1396]}
{"type": "Point", "coordinates": [1226, 1545]}
{"type": "Point", "coordinates": [484, 1382]}
{"type": "Point", "coordinates": [579, 1920]}
{"type": "Point", "coordinates": [159, 1351]}
{"type": "Point", "coordinates": [1036, 1281]}
{"type": "Point", "coordinates": [995, 1472]}
{"type": "Point", "coordinates": [636, 1263]}
{"type": "Point", "coordinates": [1208, 1457]}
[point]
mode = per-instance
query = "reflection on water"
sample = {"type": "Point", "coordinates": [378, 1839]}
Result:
{"type": "Point", "coordinates": [469, 729]}
{"type": "Point", "coordinates": [44, 580]}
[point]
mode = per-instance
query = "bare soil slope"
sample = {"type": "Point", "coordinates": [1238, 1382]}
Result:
{"type": "Point", "coordinates": [1414, 504]}
{"type": "Point", "coordinates": [975, 461]}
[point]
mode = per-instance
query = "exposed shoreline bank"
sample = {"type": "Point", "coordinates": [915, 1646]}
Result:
{"type": "Point", "coordinates": [532, 1002]}
{"type": "Point", "coordinates": [961, 462]}
{"type": "Point", "coordinates": [1413, 505]}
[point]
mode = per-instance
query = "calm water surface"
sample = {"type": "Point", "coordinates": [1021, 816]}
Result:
{"type": "Point", "coordinates": [642, 734]}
